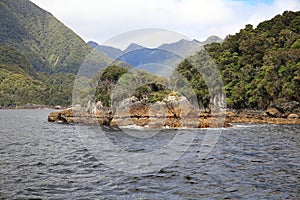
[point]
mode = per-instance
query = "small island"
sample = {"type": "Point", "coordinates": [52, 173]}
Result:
{"type": "Point", "coordinates": [170, 114]}
{"type": "Point", "coordinates": [126, 98]}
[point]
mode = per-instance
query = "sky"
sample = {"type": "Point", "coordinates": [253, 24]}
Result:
{"type": "Point", "coordinates": [103, 21]}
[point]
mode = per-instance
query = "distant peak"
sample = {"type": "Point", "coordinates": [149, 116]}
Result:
{"type": "Point", "coordinates": [92, 44]}
{"type": "Point", "coordinates": [133, 46]}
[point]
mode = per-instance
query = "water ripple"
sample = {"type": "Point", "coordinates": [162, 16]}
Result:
{"type": "Point", "coordinates": [40, 160]}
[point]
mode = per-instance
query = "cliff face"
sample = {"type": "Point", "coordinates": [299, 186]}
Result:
{"type": "Point", "coordinates": [173, 112]}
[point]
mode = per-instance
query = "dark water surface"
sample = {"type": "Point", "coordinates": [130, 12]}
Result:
{"type": "Point", "coordinates": [41, 160]}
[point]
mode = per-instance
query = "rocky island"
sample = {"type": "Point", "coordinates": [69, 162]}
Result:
{"type": "Point", "coordinates": [173, 113]}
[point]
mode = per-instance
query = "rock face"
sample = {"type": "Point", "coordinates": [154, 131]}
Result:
{"type": "Point", "coordinates": [65, 116]}
{"type": "Point", "coordinates": [173, 112]}
{"type": "Point", "coordinates": [289, 107]}
{"type": "Point", "coordinates": [75, 115]}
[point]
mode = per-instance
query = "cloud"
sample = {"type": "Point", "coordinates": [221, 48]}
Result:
{"type": "Point", "coordinates": [99, 20]}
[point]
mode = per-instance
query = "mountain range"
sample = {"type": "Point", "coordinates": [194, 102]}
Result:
{"type": "Point", "coordinates": [182, 48]}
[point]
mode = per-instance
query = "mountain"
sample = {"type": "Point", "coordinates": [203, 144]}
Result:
{"type": "Point", "coordinates": [133, 47]}
{"type": "Point", "coordinates": [111, 52]}
{"type": "Point", "coordinates": [48, 44]}
{"type": "Point", "coordinates": [166, 55]}
{"type": "Point", "coordinates": [183, 48]}
{"type": "Point", "coordinates": [145, 58]}
{"type": "Point", "coordinates": [39, 56]}
{"type": "Point", "coordinates": [20, 84]}
{"type": "Point", "coordinates": [93, 44]}
{"type": "Point", "coordinates": [260, 66]}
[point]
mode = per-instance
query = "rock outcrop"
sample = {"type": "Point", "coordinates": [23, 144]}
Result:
{"type": "Point", "coordinates": [173, 112]}
{"type": "Point", "coordinates": [77, 115]}
{"type": "Point", "coordinates": [273, 115]}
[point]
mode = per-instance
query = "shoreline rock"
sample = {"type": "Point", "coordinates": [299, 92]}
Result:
{"type": "Point", "coordinates": [269, 116]}
{"type": "Point", "coordinates": [175, 112]}
{"type": "Point", "coordinates": [202, 120]}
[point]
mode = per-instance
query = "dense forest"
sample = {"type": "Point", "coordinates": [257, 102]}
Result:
{"type": "Point", "coordinates": [259, 66]}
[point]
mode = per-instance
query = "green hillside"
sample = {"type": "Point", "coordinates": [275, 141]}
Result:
{"type": "Point", "coordinates": [20, 84]}
{"type": "Point", "coordinates": [259, 66]}
{"type": "Point", "coordinates": [49, 45]}
{"type": "Point", "coordinates": [39, 56]}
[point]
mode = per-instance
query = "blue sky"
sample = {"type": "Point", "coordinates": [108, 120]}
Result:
{"type": "Point", "coordinates": [100, 20]}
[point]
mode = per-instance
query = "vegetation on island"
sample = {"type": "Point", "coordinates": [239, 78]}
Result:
{"type": "Point", "coordinates": [117, 83]}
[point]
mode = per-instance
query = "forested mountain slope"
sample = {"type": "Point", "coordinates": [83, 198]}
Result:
{"type": "Point", "coordinates": [46, 42]}
{"type": "Point", "coordinates": [39, 56]}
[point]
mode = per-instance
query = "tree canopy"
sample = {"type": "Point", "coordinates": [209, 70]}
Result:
{"type": "Point", "coordinates": [259, 66]}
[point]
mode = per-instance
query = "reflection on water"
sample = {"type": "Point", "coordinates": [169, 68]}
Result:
{"type": "Point", "coordinates": [44, 160]}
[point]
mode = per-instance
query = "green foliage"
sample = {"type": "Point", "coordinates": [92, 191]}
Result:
{"type": "Point", "coordinates": [107, 79]}
{"type": "Point", "coordinates": [153, 92]}
{"type": "Point", "coordinates": [112, 74]}
{"type": "Point", "coordinates": [37, 55]}
{"type": "Point", "coordinates": [259, 65]}
{"type": "Point", "coordinates": [116, 83]}
{"type": "Point", "coordinates": [188, 69]}
{"type": "Point", "coordinates": [14, 61]}
{"type": "Point", "coordinates": [20, 84]}
{"type": "Point", "coordinates": [49, 45]}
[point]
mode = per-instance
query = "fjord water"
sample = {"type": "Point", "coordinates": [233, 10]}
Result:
{"type": "Point", "coordinates": [43, 160]}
